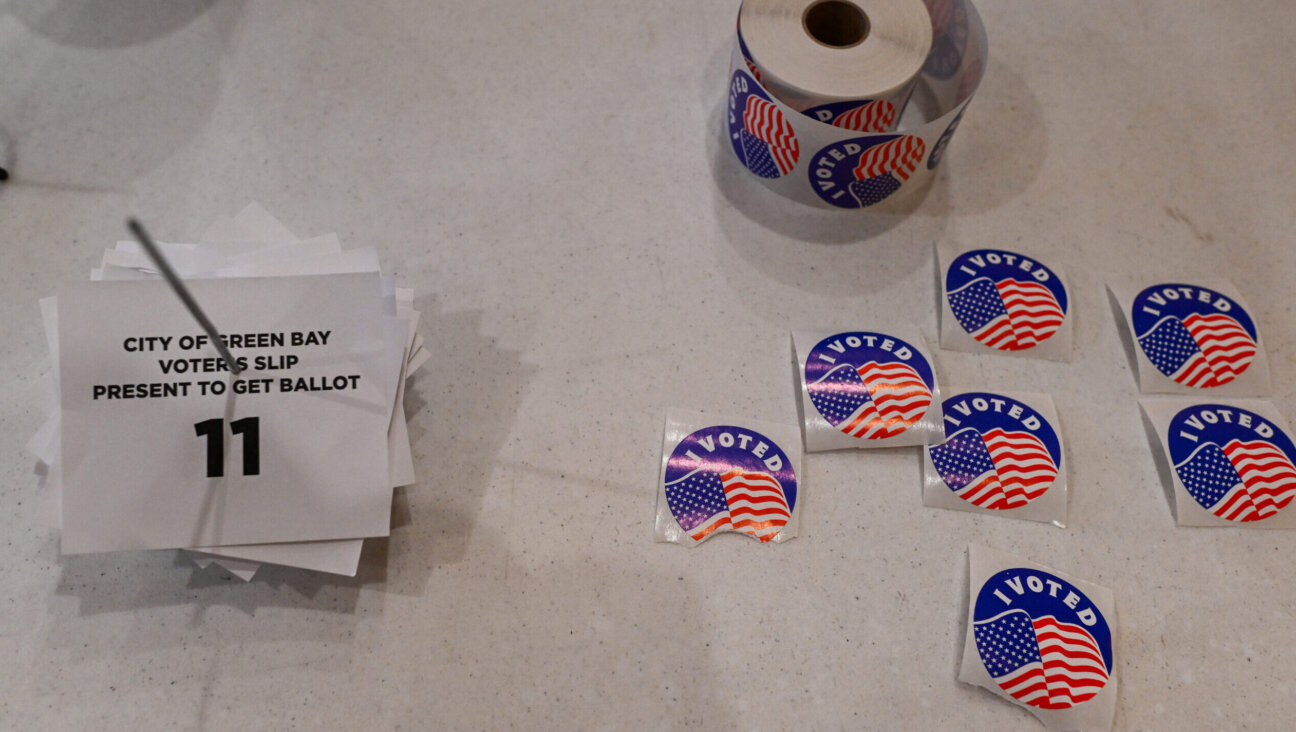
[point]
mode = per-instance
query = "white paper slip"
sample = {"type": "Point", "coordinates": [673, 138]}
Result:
{"type": "Point", "coordinates": [335, 557]}
{"type": "Point", "coordinates": [240, 568]}
{"type": "Point", "coordinates": [255, 218]}
{"type": "Point", "coordinates": [254, 244]}
{"type": "Point", "coordinates": [162, 449]}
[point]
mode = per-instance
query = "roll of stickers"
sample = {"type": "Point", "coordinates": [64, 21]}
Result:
{"type": "Point", "coordinates": [849, 63]}
{"type": "Point", "coordinates": [817, 89]}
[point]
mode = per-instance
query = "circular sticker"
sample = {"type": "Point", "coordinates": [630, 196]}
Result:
{"type": "Point", "coordinates": [1194, 335]}
{"type": "Point", "coordinates": [1005, 300]}
{"type": "Point", "coordinates": [762, 137]}
{"type": "Point", "coordinates": [727, 478]}
{"type": "Point", "coordinates": [862, 171]}
{"type": "Point", "coordinates": [999, 453]}
{"type": "Point", "coordinates": [1041, 639]}
{"type": "Point", "coordinates": [1235, 463]}
{"type": "Point", "coordinates": [861, 116]}
{"type": "Point", "coordinates": [868, 385]}
{"type": "Point", "coordinates": [949, 37]}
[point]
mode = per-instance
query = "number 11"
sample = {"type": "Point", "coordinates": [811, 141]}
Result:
{"type": "Point", "coordinates": [214, 430]}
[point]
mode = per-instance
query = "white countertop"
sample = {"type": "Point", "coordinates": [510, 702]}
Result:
{"type": "Point", "coordinates": [549, 178]}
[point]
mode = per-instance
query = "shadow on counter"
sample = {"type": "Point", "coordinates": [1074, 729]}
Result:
{"type": "Point", "coordinates": [122, 87]}
{"type": "Point", "coordinates": [90, 24]}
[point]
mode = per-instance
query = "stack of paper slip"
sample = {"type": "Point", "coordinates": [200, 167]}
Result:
{"type": "Point", "coordinates": [153, 443]}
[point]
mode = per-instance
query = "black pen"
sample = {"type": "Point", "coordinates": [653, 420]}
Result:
{"type": "Point", "coordinates": [183, 292]}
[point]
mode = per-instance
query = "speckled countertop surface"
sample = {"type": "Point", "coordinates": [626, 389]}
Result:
{"type": "Point", "coordinates": [548, 176]}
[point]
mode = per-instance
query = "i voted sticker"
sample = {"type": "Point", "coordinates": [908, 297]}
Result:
{"type": "Point", "coordinates": [1197, 336]}
{"type": "Point", "coordinates": [1005, 300]}
{"type": "Point", "coordinates": [999, 453]}
{"type": "Point", "coordinates": [1234, 462]}
{"type": "Point", "coordinates": [868, 385]}
{"type": "Point", "coordinates": [730, 478]}
{"type": "Point", "coordinates": [761, 135]}
{"type": "Point", "coordinates": [862, 171]}
{"type": "Point", "coordinates": [1042, 639]}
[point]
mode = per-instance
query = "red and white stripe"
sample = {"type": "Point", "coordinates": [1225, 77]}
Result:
{"type": "Point", "coordinates": [1071, 671]}
{"type": "Point", "coordinates": [875, 116]}
{"type": "Point", "coordinates": [765, 122]}
{"type": "Point", "coordinates": [984, 491]}
{"type": "Point", "coordinates": [1074, 671]}
{"type": "Point", "coordinates": [1196, 371]}
{"type": "Point", "coordinates": [898, 398]}
{"type": "Point", "coordinates": [1033, 310]}
{"type": "Point", "coordinates": [1227, 347]}
{"type": "Point", "coordinates": [757, 505]}
{"type": "Point", "coordinates": [1026, 683]}
{"type": "Point", "coordinates": [755, 72]}
{"type": "Point", "coordinates": [998, 333]}
{"type": "Point", "coordinates": [898, 157]}
{"type": "Point", "coordinates": [1023, 471]}
{"type": "Point", "coordinates": [1268, 482]}
{"type": "Point", "coordinates": [718, 522]}
{"type": "Point", "coordinates": [1023, 464]}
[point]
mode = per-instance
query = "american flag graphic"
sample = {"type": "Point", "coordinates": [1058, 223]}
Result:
{"type": "Point", "coordinates": [751, 66]}
{"type": "Point", "coordinates": [1043, 662]}
{"type": "Point", "coordinates": [1007, 315]}
{"type": "Point", "coordinates": [998, 470]}
{"type": "Point", "coordinates": [769, 143]}
{"type": "Point", "coordinates": [884, 167]}
{"type": "Point", "coordinates": [749, 502]}
{"type": "Point", "coordinates": [873, 401]}
{"type": "Point", "coordinates": [875, 116]}
{"type": "Point", "coordinates": [1202, 350]}
{"type": "Point", "coordinates": [1242, 481]}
